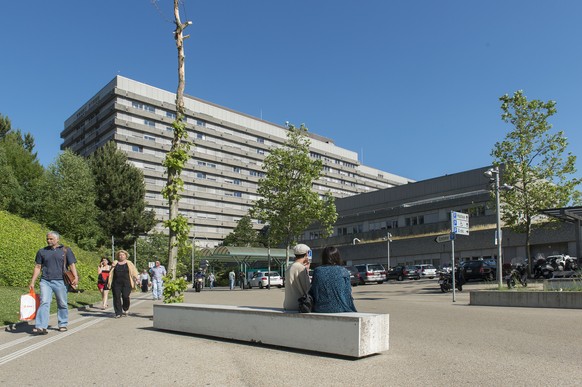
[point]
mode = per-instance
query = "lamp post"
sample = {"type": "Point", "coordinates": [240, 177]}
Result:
{"type": "Point", "coordinates": [493, 175]}
{"type": "Point", "coordinates": [193, 254]}
{"type": "Point", "coordinates": [388, 240]}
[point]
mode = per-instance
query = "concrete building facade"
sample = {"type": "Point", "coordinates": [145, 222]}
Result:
{"type": "Point", "coordinates": [416, 213]}
{"type": "Point", "coordinates": [222, 174]}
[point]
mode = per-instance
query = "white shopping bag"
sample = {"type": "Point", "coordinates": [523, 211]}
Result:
{"type": "Point", "coordinates": [29, 304]}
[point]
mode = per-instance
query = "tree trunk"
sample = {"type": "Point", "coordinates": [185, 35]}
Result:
{"type": "Point", "coordinates": [176, 141]}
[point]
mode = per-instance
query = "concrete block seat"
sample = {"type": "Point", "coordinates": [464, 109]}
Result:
{"type": "Point", "coordinates": [348, 334]}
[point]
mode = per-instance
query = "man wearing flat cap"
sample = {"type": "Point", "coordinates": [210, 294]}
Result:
{"type": "Point", "coordinates": [297, 282]}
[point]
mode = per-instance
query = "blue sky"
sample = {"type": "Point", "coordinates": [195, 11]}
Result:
{"type": "Point", "coordinates": [413, 86]}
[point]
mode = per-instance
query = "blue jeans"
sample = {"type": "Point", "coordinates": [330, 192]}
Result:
{"type": "Point", "coordinates": [231, 283]}
{"type": "Point", "coordinates": [157, 286]}
{"type": "Point", "coordinates": [47, 287]}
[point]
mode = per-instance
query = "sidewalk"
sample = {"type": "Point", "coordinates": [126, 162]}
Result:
{"type": "Point", "coordinates": [433, 342]}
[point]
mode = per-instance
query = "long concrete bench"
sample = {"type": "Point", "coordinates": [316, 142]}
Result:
{"type": "Point", "coordinates": [348, 334]}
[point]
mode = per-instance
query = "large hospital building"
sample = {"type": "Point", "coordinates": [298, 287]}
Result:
{"type": "Point", "coordinates": [226, 162]}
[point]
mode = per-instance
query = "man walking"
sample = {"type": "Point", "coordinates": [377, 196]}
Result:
{"type": "Point", "coordinates": [157, 272]}
{"type": "Point", "coordinates": [297, 282]}
{"type": "Point", "coordinates": [51, 261]}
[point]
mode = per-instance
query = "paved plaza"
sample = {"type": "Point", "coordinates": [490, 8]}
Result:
{"type": "Point", "coordinates": [433, 342]}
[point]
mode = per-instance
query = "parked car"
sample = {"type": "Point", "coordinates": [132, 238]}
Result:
{"type": "Point", "coordinates": [401, 273]}
{"type": "Point", "coordinates": [355, 278]}
{"type": "Point", "coordinates": [427, 271]}
{"type": "Point", "coordinates": [483, 270]}
{"type": "Point", "coordinates": [261, 279]}
{"type": "Point", "coordinates": [372, 272]}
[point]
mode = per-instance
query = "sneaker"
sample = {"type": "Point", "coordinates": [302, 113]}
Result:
{"type": "Point", "coordinates": [125, 313]}
{"type": "Point", "coordinates": [117, 316]}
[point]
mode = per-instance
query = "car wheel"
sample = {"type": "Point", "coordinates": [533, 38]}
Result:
{"type": "Point", "coordinates": [400, 278]}
{"type": "Point", "coordinates": [249, 285]}
{"type": "Point", "coordinates": [280, 286]}
{"type": "Point", "coordinates": [430, 277]}
{"type": "Point", "coordinates": [268, 286]}
{"type": "Point", "coordinates": [261, 285]}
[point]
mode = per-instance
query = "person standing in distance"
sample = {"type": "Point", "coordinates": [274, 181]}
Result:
{"type": "Point", "coordinates": [231, 278]}
{"type": "Point", "coordinates": [211, 279]}
{"type": "Point", "coordinates": [51, 261]}
{"type": "Point", "coordinates": [157, 272]}
{"type": "Point", "coordinates": [297, 282]}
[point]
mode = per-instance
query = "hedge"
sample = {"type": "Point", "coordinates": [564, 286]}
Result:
{"type": "Point", "coordinates": [21, 239]}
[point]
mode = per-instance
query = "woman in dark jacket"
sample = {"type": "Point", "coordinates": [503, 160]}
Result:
{"type": "Point", "coordinates": [330, 286]}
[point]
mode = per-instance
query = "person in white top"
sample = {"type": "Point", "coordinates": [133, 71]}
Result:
{"type": "Point", "coordinates": [297, 282]}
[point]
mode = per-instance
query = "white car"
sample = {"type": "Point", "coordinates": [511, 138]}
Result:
{"type": "Point", "coordinates": [426, 271]}
{"type": "Point", "coordinates": [261, 279]}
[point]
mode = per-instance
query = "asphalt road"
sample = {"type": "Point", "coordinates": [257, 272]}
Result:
{"type": "Point", "coordinates": [433, 342]}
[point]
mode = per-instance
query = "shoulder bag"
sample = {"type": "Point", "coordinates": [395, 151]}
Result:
{"type": "Point", "coordinates": [68, 275]}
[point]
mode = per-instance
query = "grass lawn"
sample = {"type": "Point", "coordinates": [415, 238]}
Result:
{"type": "Point", "coordinates": [10, 302]}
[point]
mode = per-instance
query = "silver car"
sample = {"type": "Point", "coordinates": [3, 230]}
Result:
{"type": "Point", "coordinates": [372, 272]}
{"type": "Point", "coordinates": [426, 271]}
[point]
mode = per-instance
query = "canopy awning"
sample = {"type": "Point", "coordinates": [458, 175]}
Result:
{"type": "Point", "coordinates": [240, 255]}
{"type": "Point", "coordinates": [566, 214]}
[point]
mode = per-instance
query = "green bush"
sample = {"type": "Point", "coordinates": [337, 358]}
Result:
{"type": "Point", "coordinates": [21, 239]}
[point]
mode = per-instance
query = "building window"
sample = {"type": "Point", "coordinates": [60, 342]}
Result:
{"type": "Point", "coordinates": [171, 115]}
{"type": "Point", "coordinates": [200, 175]}
{"type": "Point", "coordinates": [237, 194]}
{"type": "Point", "coordinates": [200, 136]}
{"type": "Point", "coordinates": [200, 123]}
{"type": "Point", "coordinates": [260, 140]}
{"type": "Point", "coordinates": [236, 169]}
{"type": "Point", "coordinates": [169, 129]}
{"type": "Point", "coordinates": [260, 151]}
{"type": "Point", "coordinates": [149, 138]}
{"type": "Point", "coordinates": [143, 106]}
{"type": "Point", "coordinates": [136, 148]}
{"type": "Point", "coordinates": [236, 181]}
{"type": "Point", "coordinates": [149, 123]}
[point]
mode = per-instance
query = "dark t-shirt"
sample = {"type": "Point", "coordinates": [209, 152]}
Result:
{"type": "Point", "coordinates": [52, 261]}
{"type": "Point", "coordinates": [121, 275]}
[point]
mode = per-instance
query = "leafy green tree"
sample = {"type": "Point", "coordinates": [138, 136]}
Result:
{"type": "Point", "coordinates": [288, 203]}
{"type": "Point", "coordinates": [27, 171]}
{"type": "Point", "coordinates": [9, 187]}
{"type": "Point", "coordinates": [69, 205]}
{"type": "Point", "coordinates": [150, 248]}
{"type": "Point", "coordinates": [535, 162]}
{"type": "Point", "coordinates": [120, 190]}
{"type": "Point", "coordinates": [5, 125]}
{"type": "Point", "coordinates": [243, 234]}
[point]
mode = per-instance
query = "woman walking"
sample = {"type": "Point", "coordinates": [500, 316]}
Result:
{"type": "Point", "coordinates": [103, 280]}
{"type": "Point", "coordinates": [122, 279]}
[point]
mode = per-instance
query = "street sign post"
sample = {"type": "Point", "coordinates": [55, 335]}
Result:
{"type": "Point", "coordinates": [459, 223]}
{"type": "Point", "coordinates": [444, 238]}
